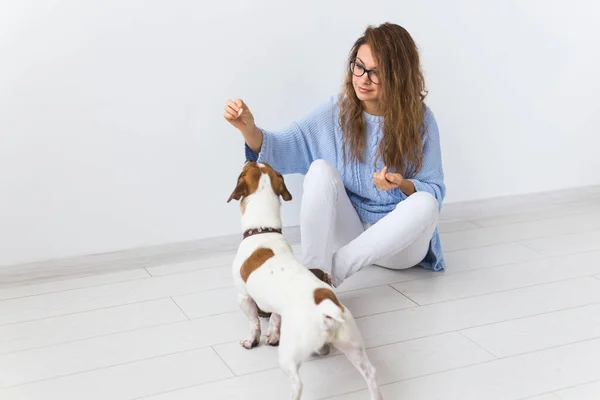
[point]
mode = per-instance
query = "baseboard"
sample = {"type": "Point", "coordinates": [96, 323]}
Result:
{"type": "Point", "coordinates": [50, 270]}
{"type": "Point", "coordinates": [129, 259]}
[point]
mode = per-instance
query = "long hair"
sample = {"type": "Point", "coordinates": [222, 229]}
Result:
{"type": "Point", "coordinates": [401, 103]}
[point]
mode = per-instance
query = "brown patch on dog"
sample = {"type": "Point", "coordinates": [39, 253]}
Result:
{"type": "Point", "coordinates": [247, 181]}
{"type": "Point", "coordinates": [321, 294]}
{"type": "Point", "coordinates": [256, 259]}
{"type": "Point", "coordinates": [277, 182]}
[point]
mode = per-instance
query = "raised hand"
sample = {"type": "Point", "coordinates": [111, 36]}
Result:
{"type": "Point", "coordinates": [238, 114]}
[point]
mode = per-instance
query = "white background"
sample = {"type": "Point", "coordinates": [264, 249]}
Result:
{"type": "Point", "coordinates": [111, 128]}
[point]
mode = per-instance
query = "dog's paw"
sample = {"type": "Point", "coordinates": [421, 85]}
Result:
{"type": "Point", "coordinates": [272, 339]}
{"type": "Point", "coordinates": [249, 343]}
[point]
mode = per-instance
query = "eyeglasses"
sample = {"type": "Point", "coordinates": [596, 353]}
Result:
{"type": "Point", "coordinates": [359, 70]}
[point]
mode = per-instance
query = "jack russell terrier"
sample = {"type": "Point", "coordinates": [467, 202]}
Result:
{"type": "Point", "coordinates": [270, 280]}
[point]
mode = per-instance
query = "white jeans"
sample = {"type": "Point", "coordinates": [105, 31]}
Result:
{"type": "Point", "coordinates": [335, 240]}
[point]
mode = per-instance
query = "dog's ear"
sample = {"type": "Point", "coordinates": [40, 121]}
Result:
{"type": "Point", "coordinates": [281, 189]}
{"type": "Point", "coordinates": [240, 190]}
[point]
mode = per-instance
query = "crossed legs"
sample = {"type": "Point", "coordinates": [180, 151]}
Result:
{"type": "Point", "coordinates": [333, 237]}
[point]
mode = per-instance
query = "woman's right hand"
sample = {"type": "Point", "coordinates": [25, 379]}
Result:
{"type": "Point", "coordinates": [238, 114]}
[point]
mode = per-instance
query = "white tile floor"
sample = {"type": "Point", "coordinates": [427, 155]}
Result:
{"type": "Point", "coordinates": [515, 316]}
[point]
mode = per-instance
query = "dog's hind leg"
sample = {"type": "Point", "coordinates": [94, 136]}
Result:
{"type": "Point", "coordinates": [290, 357]}
{"type": "Point", "coordinates": [274, 329]}
{"type": "Point", "coordinates": [250, 308]}
{"type": "Point", "coordinates": [291, 367]}
{"type": "Point", "coordinates": [354, 350]}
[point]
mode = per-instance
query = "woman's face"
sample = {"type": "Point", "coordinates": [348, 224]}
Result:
{"type": "Point", "coordinates": [366, 90]}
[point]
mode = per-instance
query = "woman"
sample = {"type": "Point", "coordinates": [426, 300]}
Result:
{"type": "Point", "coordinates": [374, 181]}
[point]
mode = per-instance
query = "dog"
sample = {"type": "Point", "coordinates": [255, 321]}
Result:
{"type": "Point", "coordinates": [306, 317]}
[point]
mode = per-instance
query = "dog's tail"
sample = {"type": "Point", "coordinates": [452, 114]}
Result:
{"type": "Point", "coordinates": [330, 307]}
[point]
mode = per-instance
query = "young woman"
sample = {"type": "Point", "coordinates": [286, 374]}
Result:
{"type": "Point", "coordinates": [374, 182]}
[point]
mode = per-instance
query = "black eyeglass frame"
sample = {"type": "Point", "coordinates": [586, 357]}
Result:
{"type": "Point", "coordinates": [354, 63]}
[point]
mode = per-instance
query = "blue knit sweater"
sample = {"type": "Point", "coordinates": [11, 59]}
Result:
{"type": "Point", "coordinates": [318, 136]}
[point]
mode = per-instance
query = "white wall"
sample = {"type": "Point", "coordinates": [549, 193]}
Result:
{"type": "Point", "coordinates": [111, 129]}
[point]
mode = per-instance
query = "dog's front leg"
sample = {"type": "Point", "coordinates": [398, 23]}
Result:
{"type": "Point", "coordinates": [358, 357]}
{"type": "Point", "coordinates": [249, 307]}
{"type": "Point", "coordinates": [274, 329]}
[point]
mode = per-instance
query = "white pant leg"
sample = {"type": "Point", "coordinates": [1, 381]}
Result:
{"type": "Point", "coordinates": [399, 240]}
{"type": "Point", "coordinates": [328, 219]}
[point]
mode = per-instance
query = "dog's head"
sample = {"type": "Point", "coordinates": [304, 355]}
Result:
{"type": "Point", "coordinates": [248, 182]}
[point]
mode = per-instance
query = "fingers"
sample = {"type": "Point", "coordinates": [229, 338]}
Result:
{"type": "Point", "coordinates": [379, 176]}
{"type": "Point", "coordinates": [233, 104]}
{"type": "Point", "coordinates": [376, 178]}
{"type": "Point", "coordinates": [234, 109]}
{"type": "Point", "coordinates": [382, 183]}
{"type": "Point", "coordinates": [386, 180]}
{"type": "Point", "coordinates": [240, 106]}
{"type": "Point", "coordinates": [391, 178]}
{"type": "Point", "coordinates": [394, 178]}
{"type": "Point", "coordinates": [229, 116]}
{"type": "Point", "coordinates": [230, 113]}
{"type": "Point", "coordinates": [385, 186]}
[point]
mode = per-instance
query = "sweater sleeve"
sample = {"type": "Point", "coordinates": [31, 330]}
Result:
{"type": "Point", "coordinates": [431, 176]}
{"type": "Point", "coordinates": [294, 148]}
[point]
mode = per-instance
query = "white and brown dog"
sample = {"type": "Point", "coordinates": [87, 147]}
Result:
{"type": "Point", "coordinates": [271, 280]}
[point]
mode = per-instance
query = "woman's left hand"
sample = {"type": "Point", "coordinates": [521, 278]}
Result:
{"type": "Point", "coordinates": [387, 180]}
